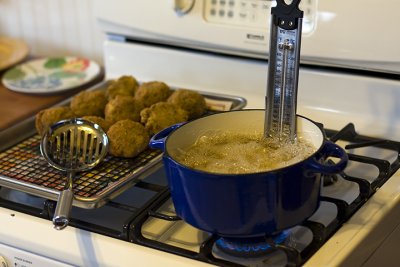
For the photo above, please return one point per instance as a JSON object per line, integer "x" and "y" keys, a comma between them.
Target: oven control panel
{"x": 14, "y": 257}
{"x": 253, "y": 13}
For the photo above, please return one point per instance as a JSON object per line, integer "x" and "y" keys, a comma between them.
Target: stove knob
{"x": 183, "y": 7}
{"x": 3, "y": 262}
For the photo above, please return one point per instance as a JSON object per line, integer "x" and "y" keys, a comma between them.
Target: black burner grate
{"x": 24, "y": 163}
{"x": 320, "y": 232}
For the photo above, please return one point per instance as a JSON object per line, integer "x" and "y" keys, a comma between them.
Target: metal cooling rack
{"x": 22, "y": 167}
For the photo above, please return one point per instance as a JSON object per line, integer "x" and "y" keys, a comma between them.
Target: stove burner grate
{"x": 25, "y": 158}
{"x": 295, "y": 256}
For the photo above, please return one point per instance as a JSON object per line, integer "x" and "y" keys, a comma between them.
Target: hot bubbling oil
{"x": 237, "y": 153}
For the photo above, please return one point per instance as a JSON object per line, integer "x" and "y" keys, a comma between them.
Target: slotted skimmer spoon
{"x": 72, "y": 146}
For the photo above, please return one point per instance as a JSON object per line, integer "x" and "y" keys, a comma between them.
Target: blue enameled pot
{"x": 245, "y": 205}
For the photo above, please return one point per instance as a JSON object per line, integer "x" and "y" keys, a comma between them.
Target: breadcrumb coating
{"x": 105, "y": 125}
{"x": 127, "y": 138}
{"x": 191, "y": 101}
{"x": 125, "y": 85}
{"x": 162, "y": 115}
{"x": 89, "y": 103}
{"x": 47, "y": 117}
{"x": 123, "y": 107}
{"x": 153, "y": 92}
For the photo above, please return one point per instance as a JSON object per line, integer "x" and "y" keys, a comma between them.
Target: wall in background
{"x": 53, "y": 27}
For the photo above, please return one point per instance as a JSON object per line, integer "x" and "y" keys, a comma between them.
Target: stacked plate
{"x": 12, "y": 51}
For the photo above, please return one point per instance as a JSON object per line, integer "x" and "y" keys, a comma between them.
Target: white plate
{"x": 50, "y": 75}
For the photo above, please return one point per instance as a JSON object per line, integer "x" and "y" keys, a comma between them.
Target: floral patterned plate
{"x": 50, "y": 75}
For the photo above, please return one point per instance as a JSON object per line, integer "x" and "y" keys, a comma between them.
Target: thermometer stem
{"x": 286, "y": 46}
{"x": 283, "y": 71}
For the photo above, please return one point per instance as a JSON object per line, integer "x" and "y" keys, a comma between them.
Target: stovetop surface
{"x": 144, "y": 213}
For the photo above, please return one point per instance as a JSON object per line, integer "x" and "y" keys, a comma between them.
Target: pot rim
{"x": 263, "y": 173}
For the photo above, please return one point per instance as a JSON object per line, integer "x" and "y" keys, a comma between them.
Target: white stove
{"x": 349, "y": 74}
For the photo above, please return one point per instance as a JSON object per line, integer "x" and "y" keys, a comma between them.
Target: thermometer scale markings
{"x": 284, "y": 75}
{"x": 283, "y": 71}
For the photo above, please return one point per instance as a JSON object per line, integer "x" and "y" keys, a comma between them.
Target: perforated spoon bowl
{"x": 72, "y": 146}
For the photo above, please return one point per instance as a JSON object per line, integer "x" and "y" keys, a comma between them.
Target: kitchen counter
{"x": 15, "y": 106}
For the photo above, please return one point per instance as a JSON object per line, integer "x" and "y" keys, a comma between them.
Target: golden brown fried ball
{"x": 125, "y": 85}
{"x": 152, "y": 92}
{"x": 47, "y": 117}
{"x": 89, "y": 103}
{"x": 123, "y": 107}
{"x": 162, "y": 115}
{"x": 127, "y": 138}
{"x": 191, "y": 101}
{"x": 105, "y": 125}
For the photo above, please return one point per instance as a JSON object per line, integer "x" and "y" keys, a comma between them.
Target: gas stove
{"x": 350, "y": 90}
{"x": 144, "y": 214}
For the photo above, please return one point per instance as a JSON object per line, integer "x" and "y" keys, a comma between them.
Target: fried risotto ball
{"x": 162, "y": 115}
{"x": 105, "y": 125}
{"x": 150, "y": 93}
{"x": 191, "y": 101}
{"x": 125, "y": 85}
{"x": 127, "y": 138}
{"x": 123, "y": 107}
{"x": 89, "y": 103}
{"x": 47, "y": 117}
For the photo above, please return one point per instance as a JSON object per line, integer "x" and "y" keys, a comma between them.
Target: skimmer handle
{"x": 64, "y": 204}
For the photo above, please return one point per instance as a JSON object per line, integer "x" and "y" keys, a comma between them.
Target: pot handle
{"x": 158, "y": 140}
{"x": 330, "y": 149}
